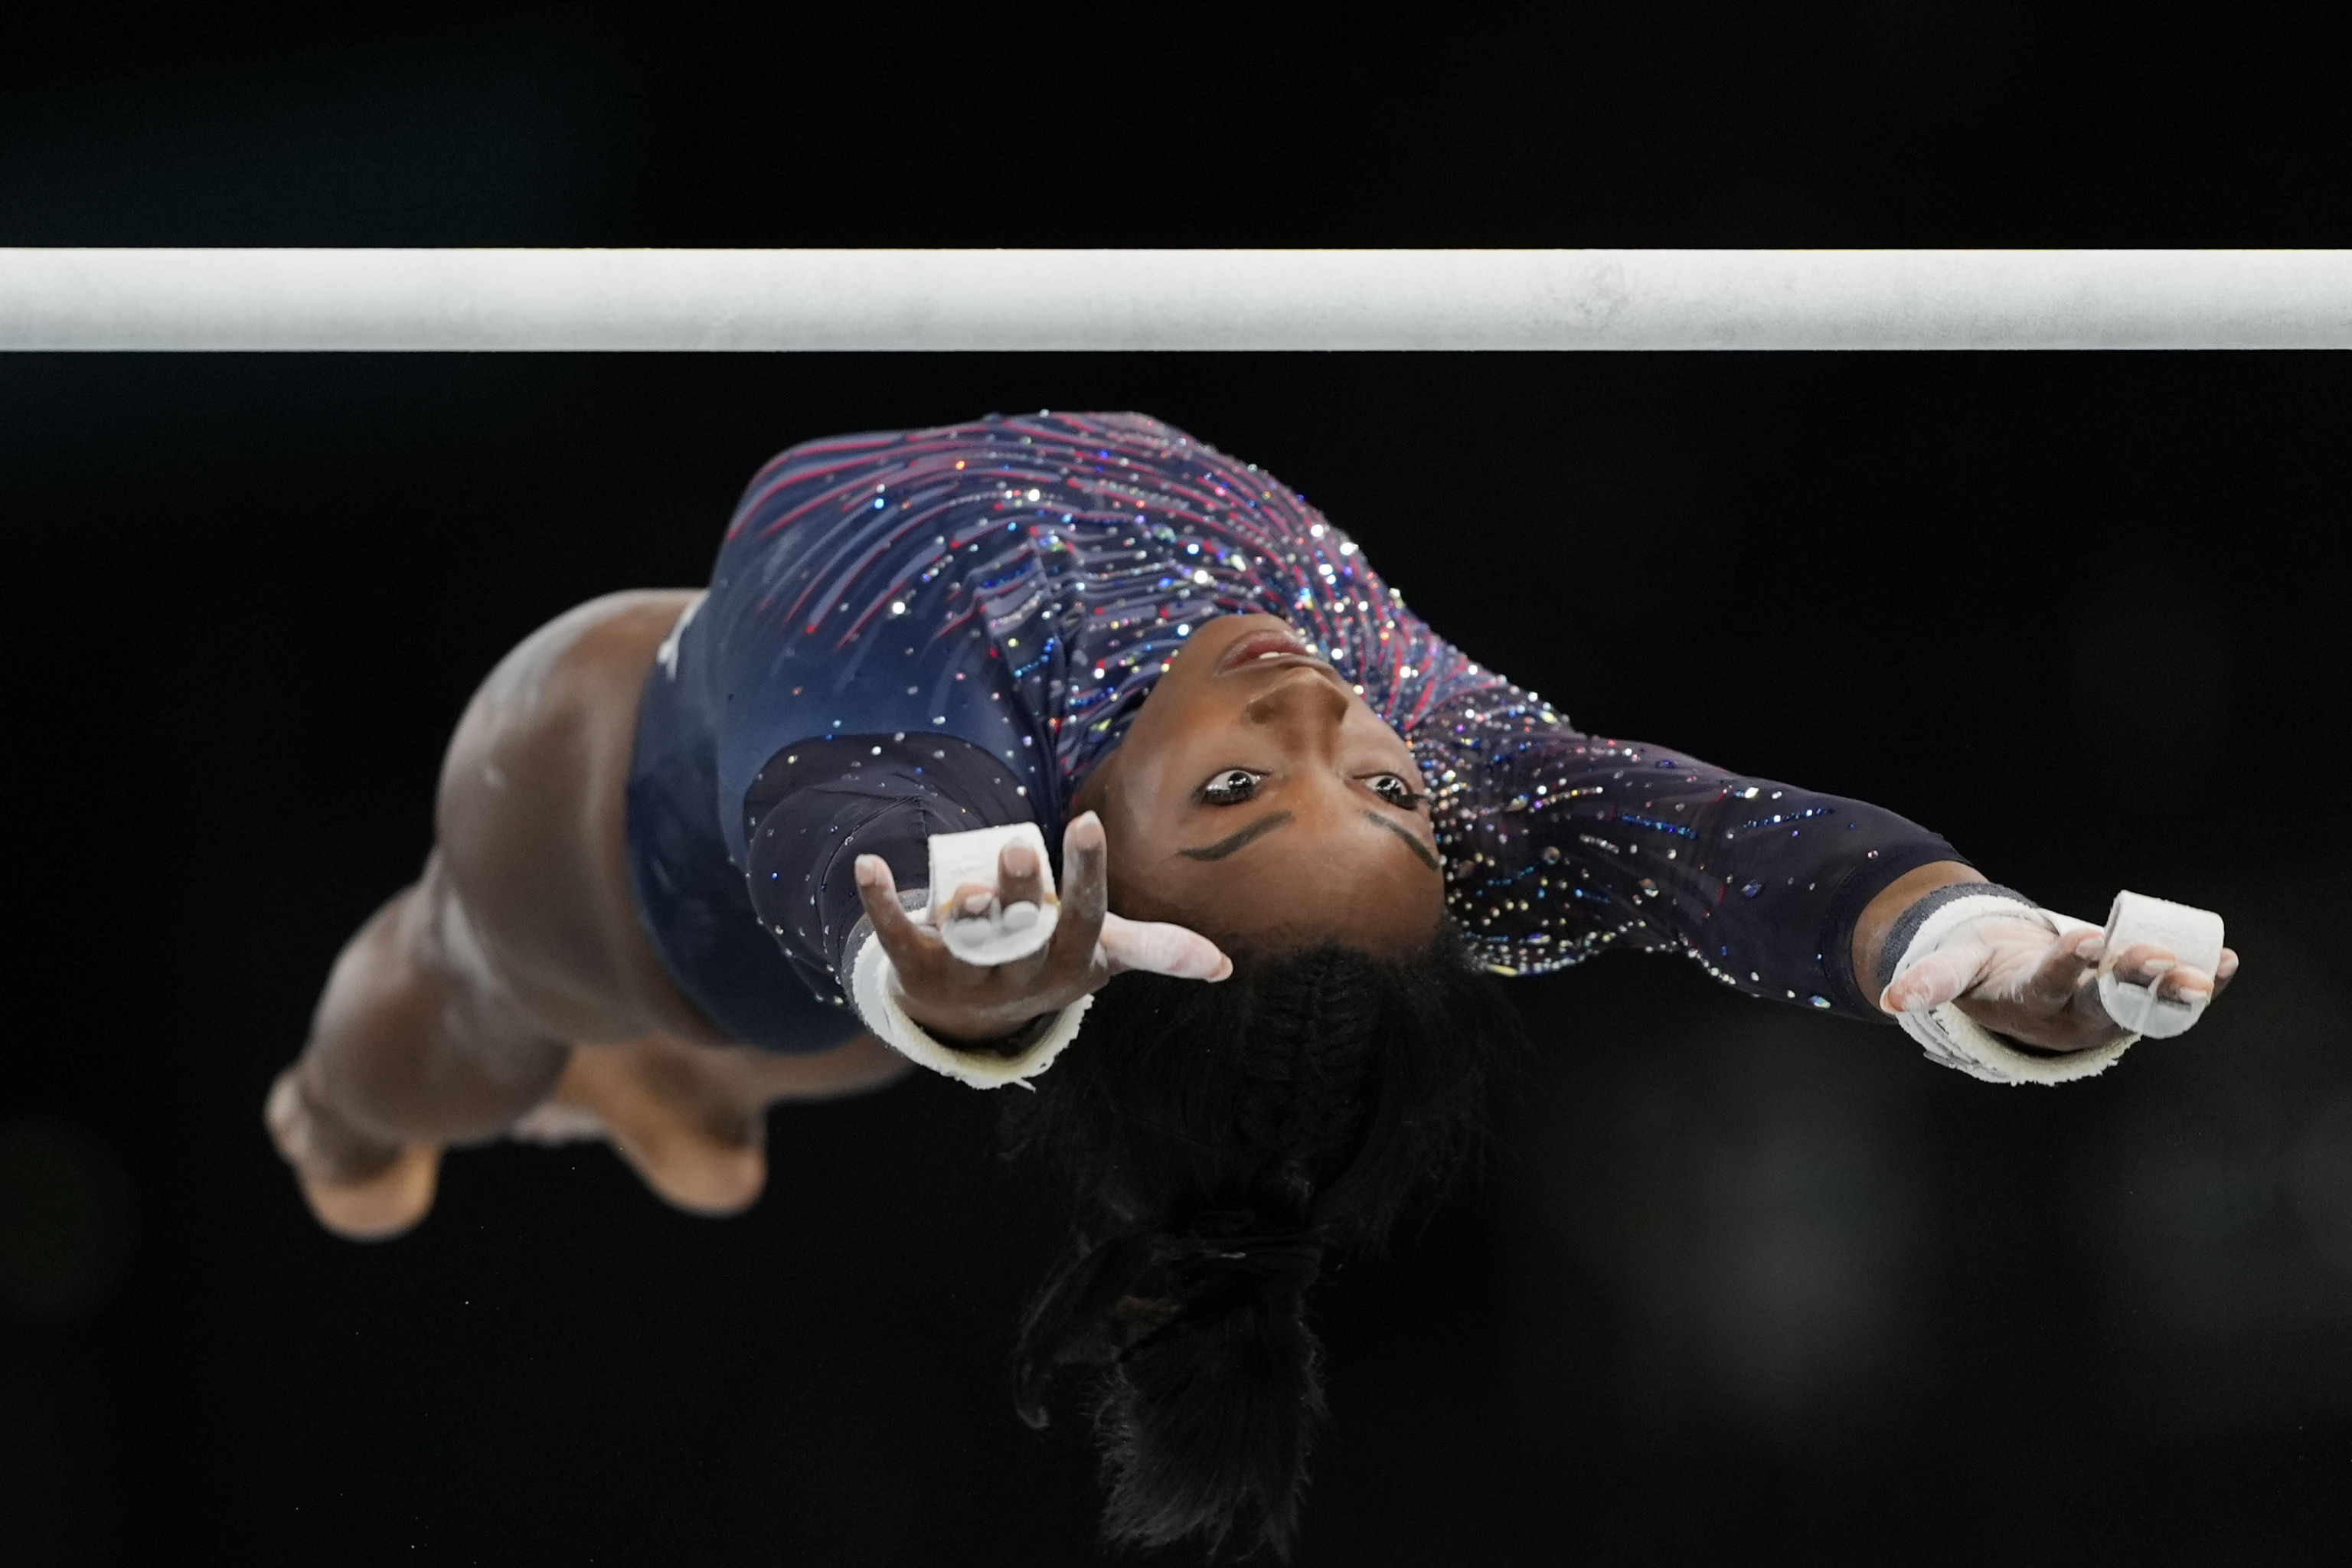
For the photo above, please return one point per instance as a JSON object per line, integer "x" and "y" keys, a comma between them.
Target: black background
{"x": 1745, "y": 1282}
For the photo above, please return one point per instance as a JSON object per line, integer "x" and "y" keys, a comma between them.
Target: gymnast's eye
{"x": 1231, "y": 787}
{"x": 1395, "y": 790}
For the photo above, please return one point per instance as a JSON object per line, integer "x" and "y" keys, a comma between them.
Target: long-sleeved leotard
{"x": 912, "y": 632}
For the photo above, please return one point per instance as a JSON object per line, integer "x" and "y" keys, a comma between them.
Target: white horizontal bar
{"x": 1141, "y": 299}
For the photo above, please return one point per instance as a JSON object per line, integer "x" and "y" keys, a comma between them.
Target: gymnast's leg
{"x": 409, "y": 1053}
{"x": 691, "y": 1119}
{"x": 513, "y": 976}
{"x": 416, "y": 1044}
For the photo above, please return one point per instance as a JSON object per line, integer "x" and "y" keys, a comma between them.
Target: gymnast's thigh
{"x": 532, "y": 819}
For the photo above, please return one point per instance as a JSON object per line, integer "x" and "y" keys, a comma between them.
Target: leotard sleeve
{"x": 1560, "y": 845}
{"x": 819, "y": 805}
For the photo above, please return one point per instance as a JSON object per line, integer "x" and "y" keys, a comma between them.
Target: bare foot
{"x": 357, "y": 1189}
{"x": 691, "y": 1119}
{"x": 863, "y": 1063}
{"x": 680, "y": 1124}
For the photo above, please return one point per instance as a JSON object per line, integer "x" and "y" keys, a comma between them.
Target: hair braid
{"x": 1222, "y": 1138}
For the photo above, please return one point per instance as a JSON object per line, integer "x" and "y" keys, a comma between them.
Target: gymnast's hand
{"x": 971, "y": 1004}
{"x": 2015, "y": 976}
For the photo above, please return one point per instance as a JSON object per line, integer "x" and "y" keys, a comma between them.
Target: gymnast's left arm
{"x": 1560, "y": 845}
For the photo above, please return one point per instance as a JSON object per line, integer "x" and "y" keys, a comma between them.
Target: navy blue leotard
{"x": 920, "y": 631}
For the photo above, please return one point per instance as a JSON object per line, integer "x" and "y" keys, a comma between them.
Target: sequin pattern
{"x": 1022, "y": 583}
{"x": 1560, "y": 845}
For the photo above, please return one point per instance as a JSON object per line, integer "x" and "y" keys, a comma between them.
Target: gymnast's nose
{"x": 1306, "y": 699}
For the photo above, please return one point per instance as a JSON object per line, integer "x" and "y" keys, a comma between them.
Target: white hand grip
{"x": 1005, "y": 932}
{"x": 2194, "y": 937}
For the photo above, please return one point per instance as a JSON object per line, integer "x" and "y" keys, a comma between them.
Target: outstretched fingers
{"x": 1019, "y": 876}
{"x": 1086, "y": 891}
{"x": 877, "y": 890}
{"x": 2153, "y": 965}
{"x": 2041, "y": 989}
{"x": 961, "y": 1000}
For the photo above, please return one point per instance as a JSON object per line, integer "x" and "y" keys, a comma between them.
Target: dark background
{"x": 1745, "y": 1283}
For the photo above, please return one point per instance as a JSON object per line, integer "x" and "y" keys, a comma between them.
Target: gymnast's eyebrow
{"x": 1418, "y": 847}
{"x": 1233, "y": 841}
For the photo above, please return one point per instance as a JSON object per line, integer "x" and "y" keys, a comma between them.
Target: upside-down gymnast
{"x": 679, "y": 836}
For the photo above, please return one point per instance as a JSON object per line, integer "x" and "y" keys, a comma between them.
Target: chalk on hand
{"x": 2194, "y": 937}
{"x": 1001, "y": 933}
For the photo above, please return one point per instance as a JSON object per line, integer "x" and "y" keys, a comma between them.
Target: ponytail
{"x": 1209, "y": 1400}
{"x": 1223, "y": 1139}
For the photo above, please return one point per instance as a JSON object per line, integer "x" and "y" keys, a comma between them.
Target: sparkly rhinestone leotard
{"x": 916, "y": 631}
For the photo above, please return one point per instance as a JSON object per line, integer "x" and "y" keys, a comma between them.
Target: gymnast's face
{"x": 1257, "y": 796}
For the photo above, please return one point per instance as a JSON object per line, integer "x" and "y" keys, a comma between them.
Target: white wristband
{"x": 1953, "y": 1038}
{"x": 874, "y": 989}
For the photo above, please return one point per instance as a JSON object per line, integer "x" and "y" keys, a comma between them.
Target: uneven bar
{"x": 1131, "y": 300}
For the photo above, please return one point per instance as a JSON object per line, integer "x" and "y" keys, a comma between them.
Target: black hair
{"x": 1223, "y": 1138}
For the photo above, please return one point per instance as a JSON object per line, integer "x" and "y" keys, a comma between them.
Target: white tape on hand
{"x": 1951, "y": 1037}
{"x": 1001, "y": 933}
{"x": 2194, "y": 937}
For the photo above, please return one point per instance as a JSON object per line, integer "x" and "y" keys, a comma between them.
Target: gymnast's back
{"x": 915, "y": 632}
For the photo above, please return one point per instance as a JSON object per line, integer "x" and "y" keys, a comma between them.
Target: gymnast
{"x": 681, "y": 844}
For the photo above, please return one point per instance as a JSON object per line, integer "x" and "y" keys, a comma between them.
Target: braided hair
{"x": 1222, "y": 1139}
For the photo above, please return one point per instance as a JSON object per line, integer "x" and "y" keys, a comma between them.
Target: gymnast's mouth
{"x": 1275, "y": 646}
